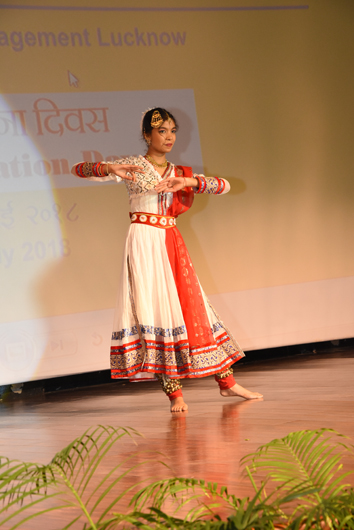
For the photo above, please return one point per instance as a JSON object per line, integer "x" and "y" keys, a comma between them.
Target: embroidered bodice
{"x": 144, "y": 182}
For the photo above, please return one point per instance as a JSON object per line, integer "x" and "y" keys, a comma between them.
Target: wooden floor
{"x": 305, "y": 392}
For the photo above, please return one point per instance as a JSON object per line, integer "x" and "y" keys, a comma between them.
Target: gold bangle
{"x": 184, "y": 180}
{"x": 107, "y": 169}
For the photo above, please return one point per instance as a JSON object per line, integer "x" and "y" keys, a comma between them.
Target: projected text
{"x": 18, "y": 41}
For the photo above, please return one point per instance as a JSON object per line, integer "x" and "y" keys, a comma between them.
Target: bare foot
{"x": 239, "y": 391}
{"x": 178, "y": 405}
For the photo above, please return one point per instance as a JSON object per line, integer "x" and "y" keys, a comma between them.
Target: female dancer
{"x": 164, "y": 324}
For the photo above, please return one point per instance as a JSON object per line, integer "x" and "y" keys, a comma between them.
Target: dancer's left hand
{"x": 170, "y": 184}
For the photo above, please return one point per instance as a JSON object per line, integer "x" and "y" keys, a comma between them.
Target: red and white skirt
{"x": 164, "y": 323}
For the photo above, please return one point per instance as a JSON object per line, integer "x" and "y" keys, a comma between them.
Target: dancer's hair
{"x": 146, "y": 126}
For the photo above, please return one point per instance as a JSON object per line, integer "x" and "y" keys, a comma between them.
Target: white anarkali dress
{"x": 164, "y": 323}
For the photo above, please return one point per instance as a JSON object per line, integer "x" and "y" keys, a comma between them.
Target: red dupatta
{"x": 190, "y": 295}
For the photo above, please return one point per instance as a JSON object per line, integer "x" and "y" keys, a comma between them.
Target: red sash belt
{"x": 152, "y": 219}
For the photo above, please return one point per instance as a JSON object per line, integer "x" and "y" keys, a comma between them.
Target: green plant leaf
{"x": 304, "y": 459}
{"x": 304, "y": 466}
{"x": 67, "y": 475}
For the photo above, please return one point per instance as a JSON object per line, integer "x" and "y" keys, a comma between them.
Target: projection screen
{"x": 263, "y": 92}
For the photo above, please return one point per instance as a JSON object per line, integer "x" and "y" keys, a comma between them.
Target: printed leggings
{"x": 173, "y": 387}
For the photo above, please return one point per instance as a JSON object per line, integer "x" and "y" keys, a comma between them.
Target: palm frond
{"x": 246, "y": 513}
{"x": 305, "y": 468}
{"x": 68, "y": 474}
{"x": 112, "y": 485}
{"x": 82, "y": 456}
{"x": 23, "y": 487}
{"x": 337, "y": 512}
{"x": 303, "y": 459}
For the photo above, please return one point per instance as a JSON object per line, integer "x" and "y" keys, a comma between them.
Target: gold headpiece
{"x": 156, "y": 120}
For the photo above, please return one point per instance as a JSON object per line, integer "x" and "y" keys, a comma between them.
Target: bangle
{"x": 107, "y": 169}
{"x": 96, "y": 169}
{"x": 184, "y": 180}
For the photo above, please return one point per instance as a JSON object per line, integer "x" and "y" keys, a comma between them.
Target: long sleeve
{"x": 91, "y": 171}
{"x": 211, "y": 185}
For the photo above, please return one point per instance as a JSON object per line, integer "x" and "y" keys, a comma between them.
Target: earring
{"x": 148, "y": 141}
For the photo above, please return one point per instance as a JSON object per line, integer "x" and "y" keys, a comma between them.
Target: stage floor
{"x": 304, "y": 392}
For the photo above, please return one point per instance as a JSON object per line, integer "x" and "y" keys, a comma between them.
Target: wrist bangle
{"x": 184, "y": 180}
{"x": 107, "y": 169}
{"x": 96, "y": 169}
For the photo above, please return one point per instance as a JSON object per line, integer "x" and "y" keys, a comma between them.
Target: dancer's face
{"x": 163, "y": 138}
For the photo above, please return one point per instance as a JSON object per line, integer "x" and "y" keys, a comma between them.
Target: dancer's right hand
{"x": 124, "y": 171}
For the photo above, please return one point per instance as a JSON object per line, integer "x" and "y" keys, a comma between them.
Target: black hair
{"x": 165, "y": 115}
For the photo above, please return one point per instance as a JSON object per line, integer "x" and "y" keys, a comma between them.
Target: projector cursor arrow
{"x": 73, "y": 80}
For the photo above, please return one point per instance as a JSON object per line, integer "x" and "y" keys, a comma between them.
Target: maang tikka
{"x": 156, "y": 120}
